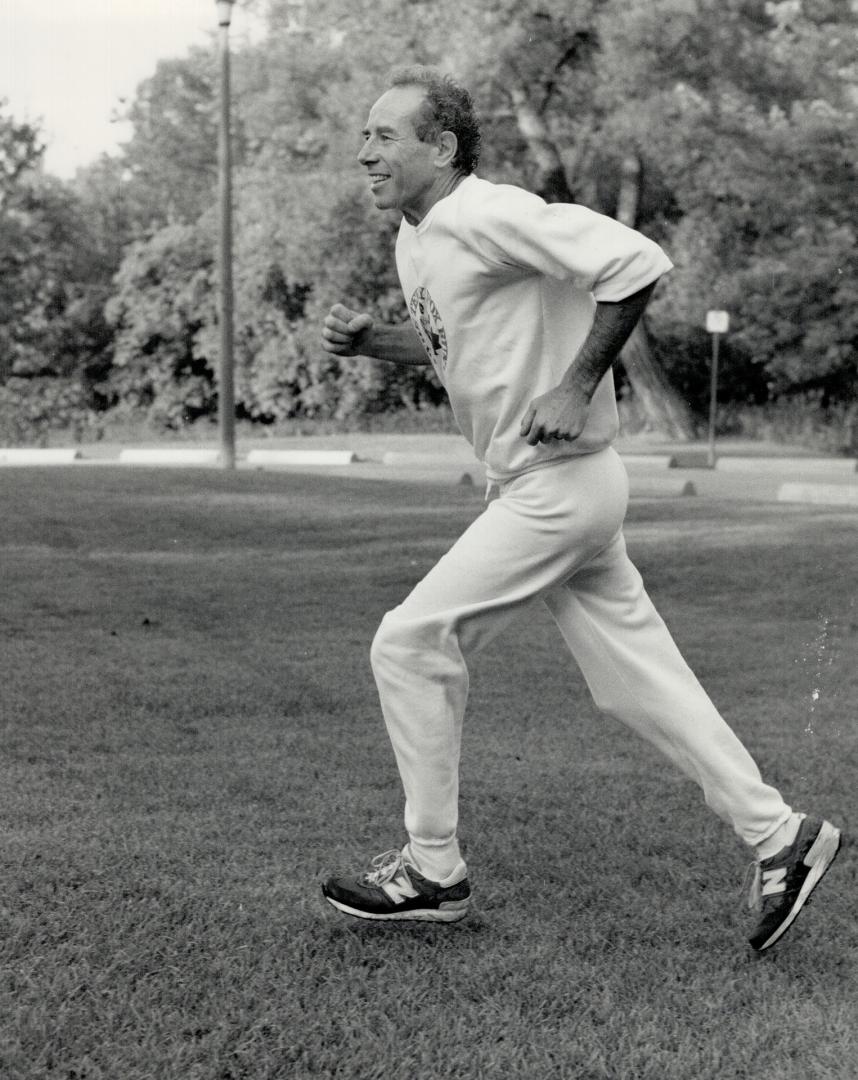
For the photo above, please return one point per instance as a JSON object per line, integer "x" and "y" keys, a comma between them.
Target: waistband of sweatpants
{"x": 498, "y": 485}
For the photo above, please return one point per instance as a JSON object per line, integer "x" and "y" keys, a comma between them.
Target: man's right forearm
{"x": 398, "y": 344}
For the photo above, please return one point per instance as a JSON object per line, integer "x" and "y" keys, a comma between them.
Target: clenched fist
{"x": 346, "y": 332}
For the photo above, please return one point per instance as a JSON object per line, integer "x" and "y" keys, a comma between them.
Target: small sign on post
{"x": 717, "y": 323}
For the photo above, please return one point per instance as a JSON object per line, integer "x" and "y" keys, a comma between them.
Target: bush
{"x": 801, "y": 419}
{"x": 30, "y": 409}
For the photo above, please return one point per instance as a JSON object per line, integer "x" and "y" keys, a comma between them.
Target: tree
{"x": 49, "y": 268}
{"x": 751, "y": 111}
{"x": 169, "y": 165}
{"x": 21, "y": 151}
{"x": 163, "y": 302}
{"x": 53, "y": 337}
{"x": 20, "y": 155}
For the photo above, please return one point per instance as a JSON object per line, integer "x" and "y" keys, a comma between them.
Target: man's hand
{"x": 559, "y": 414}
{"x": 346, "y": 332}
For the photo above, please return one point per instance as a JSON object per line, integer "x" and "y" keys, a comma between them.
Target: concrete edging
{"x": 168, "y": 456}
{"x": 823, "y": 494}
{"x": 656, "y": 487}
{"x": 414, "y": 459}
{"x": 39, "y": 455}
{"x": 260, "y": 458}
{"x": 649, "y": 461}
{"x": 787, "y": 464}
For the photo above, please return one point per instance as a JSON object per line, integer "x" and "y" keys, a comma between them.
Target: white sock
{"x": 443, "y": 865}
{"x": 782, "y": 837}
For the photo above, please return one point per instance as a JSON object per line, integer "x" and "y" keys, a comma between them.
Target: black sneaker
{"x": 393, "y": 889}
{"x": 783, "y": 883}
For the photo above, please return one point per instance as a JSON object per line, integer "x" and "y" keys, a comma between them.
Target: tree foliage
{"x": 749, "y": 111}
{"x": 726, "y": 129}
{"x": 53, "y": 334}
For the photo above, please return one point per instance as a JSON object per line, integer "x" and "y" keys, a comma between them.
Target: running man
{"x": 522, "y": 307}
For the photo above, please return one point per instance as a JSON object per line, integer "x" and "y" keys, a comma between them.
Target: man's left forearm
{"x": 612, "y": 325}
{"x": 561, "y": 413}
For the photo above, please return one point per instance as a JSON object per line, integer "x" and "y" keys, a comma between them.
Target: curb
{"x": 657, "y": 488}
{"x": 785, "y": 464}
{"x": 169, "y": 457}
{"x": 649, "y": 461}
{"x": 261, "y": 458}
{"x": 39, "y": 456}
{"x": 822, "y": 494}
{"x": 414, "y": 459}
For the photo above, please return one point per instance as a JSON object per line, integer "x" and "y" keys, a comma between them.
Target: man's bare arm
{"x": 562, "y": 412}
{"x": 353, "y": 333}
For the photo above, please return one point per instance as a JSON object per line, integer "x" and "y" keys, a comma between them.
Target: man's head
{"x": 421, "y": 138}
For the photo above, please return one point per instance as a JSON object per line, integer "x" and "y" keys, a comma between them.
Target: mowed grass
{"x": 191, "y": 740}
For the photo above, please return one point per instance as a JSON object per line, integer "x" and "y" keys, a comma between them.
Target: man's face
{"x": 401, "y": 168}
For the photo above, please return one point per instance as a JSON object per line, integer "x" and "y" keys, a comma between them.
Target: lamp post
{"x": 226, "y": 390}
{"x": 717, "y": 323}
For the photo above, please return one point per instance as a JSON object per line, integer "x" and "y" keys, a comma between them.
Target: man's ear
{"x": 448, "y": 144}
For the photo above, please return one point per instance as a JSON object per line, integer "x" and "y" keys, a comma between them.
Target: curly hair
{"x": 447, "y": 107}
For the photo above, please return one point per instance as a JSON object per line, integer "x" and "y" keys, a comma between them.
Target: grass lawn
{"x": 191, "y": 740}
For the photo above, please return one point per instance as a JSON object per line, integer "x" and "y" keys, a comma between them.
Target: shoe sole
{"x": 819, "y": 858}
{"x": 449, "y": 911}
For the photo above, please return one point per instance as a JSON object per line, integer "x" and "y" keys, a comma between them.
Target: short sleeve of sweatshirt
{"x": 511, "y": 227}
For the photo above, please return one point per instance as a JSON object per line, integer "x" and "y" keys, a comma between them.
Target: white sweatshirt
{"x": 502, "y": 288}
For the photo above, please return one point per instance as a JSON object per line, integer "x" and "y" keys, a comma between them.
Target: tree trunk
{"x": 662, "y": 408}
{"x": 551, "y": 181}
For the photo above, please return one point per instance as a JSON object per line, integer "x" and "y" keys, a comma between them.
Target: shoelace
{"x": 383, "y": 867}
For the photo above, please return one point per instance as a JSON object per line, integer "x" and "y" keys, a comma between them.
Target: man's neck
{"x": 444, "y": 187}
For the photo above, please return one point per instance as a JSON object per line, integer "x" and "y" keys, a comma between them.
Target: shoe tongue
{"x": 753, "y": 882}
{"x": 755, "y": 896}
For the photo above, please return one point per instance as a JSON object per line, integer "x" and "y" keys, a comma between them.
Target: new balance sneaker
{"x": 783, "y": 883}
{"x": 393, "y": 889}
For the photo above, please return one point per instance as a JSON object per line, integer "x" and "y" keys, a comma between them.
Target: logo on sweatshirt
{"x": 430, "y": 329}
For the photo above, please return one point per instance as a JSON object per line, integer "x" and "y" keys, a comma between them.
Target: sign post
{"x": 717, "y": 323}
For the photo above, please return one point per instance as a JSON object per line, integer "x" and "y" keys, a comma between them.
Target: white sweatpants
{"x": 553, "y": 534}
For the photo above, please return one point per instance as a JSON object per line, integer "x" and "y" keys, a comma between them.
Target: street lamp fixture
{"x": 226, "y": 387}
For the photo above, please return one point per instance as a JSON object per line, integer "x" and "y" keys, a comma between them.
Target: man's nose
{"x": 367, "y": 153}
